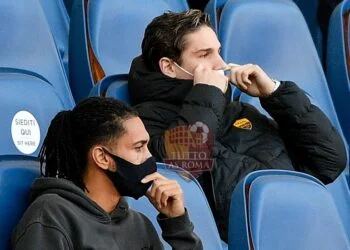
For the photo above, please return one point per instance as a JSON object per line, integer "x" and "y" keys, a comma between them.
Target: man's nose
{"x": 220, "y": 63}
{"x": 147, "y": 154}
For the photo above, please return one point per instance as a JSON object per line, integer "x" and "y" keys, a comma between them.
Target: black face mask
{"x": 127, "y": 178}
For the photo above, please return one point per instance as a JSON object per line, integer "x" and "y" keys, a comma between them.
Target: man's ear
{"x": 167, "y": 67}
{"x": 100, "y": 158}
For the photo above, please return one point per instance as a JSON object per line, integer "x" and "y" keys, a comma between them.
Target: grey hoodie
{"x": 61, "y": 216}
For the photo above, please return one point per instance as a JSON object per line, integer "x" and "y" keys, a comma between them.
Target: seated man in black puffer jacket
{"x": 177, "y": 84}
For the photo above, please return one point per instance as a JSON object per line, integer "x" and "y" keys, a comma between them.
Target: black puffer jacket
{"x": 300, "y": 138}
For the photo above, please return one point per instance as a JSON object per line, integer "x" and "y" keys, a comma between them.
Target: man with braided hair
{"x": 92, "y": 156}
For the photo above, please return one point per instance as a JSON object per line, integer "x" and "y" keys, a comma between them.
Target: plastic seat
{"x": 310, "y": 10}
{"x": 112, "y": 38}
{"x": 277, "y": 209}
{"x": 115, "y": 86}
{"x": 28, "y": 102}
{"x": 337, "y": 64}
{"x": 213, "y": 9}
{"x": 196, "y": 204}
{"x": 58, "y": 19}
{"x": 68, "y": 4}
{"x": 292, "y": 59}
{"x": 287, "y": 53}
{"x": 27, "y": 44}
{"x": 177, "y": 5}
{"x": 17, "y": 173}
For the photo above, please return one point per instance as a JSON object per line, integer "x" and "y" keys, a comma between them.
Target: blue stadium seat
{"x": 16, "y": 176}
{"x": 69, "y": 5}
{"x": 27, "y": 44}
{"x": 213, "y": 9}
{"x": 287, "y": 52}
{"x": 177, "y": 5}
{"x": 58, "y": 19}
{"x": 278, "y": 209}
{"x": 338, "y": 65}
{"x": 115, "y": 31}
{"x": 195, "y": 202}
{"x": 115, "y": 86}
{"x": 310, "y": 10}
{"x": 28, "y": 102}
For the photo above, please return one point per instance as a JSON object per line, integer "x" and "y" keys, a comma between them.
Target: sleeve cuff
{"x": 277, "y": 84}
{"x": 174, "y": 224}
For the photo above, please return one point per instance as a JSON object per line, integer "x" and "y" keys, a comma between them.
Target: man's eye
{"x": 138, "y": 148}
{"x": 204, "y": 55}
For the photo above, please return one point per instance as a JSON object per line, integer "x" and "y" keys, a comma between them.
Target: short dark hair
{"x": 164, "y": 36}
{"x": 72, "y": 133}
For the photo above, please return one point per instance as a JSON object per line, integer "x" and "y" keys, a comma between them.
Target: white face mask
{"x": 221, "y": 71}
{"x": 183, "y": 69}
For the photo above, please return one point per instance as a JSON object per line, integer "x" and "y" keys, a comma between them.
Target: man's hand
{"x": 202, "y": 75}
{"x": 165, "y": 195}
{"x": 251, "y": 79}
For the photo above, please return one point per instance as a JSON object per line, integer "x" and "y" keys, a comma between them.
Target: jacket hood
{"x": 69, "y": 191}
{"x": 146, "y": 85}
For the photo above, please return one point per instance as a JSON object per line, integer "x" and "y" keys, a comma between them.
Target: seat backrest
{"x": 16, "y": 176}
{"x": 177, "y": 5}
{"x": 58, "y": 19}
{"x": 28, "y": 103}
{"x": 68, "y": 4}
{"x": 110, "y": 23}
{"x": 277, "y": 209}
{"x": 338, "y": 63}
{"x": 27, "y": 43}
{"x": 111, "y": 35}
{"x": 115, "y": 86}
{"x": 287, "y": 51}
{"x": 213, "y": 9}
{"x": 195, "y": 202}
{"x": 310, "y": 10}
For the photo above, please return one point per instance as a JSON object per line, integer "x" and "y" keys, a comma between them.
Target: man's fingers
{"x": 162, "y": 190}
{"x": 170, "y": 193}
{"x": 152, "y": 177}
{"x": 158, "y": 186}
{"x": 232, "y": 65}
{"x": 239, "y": 74}
{"x": 163, "y": 193}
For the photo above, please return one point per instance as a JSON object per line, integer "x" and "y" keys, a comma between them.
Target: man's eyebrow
{"x": 203, "y": 50}
{"x": 140, "y": 142}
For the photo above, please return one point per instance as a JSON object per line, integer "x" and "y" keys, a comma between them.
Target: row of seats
{"x": 264, "y": 205}
{"x": 98, "y": 65}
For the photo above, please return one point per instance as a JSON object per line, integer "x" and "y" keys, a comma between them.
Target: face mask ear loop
{"x": 183, "y": 69}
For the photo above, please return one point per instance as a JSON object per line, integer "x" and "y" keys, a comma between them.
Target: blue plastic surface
{"x": 27, "y": 43}
{"x": 337, "y": 72}
{"x": 278, "y": 209}
{"x": 16, "y": 176}
{"x": 25, "y": 91}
